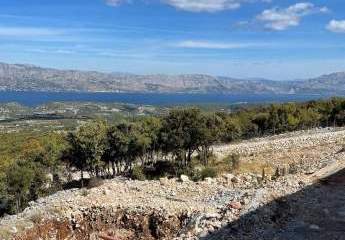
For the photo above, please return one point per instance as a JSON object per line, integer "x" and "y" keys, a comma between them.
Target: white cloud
{"x": 204, "y": 5}
{"x": 197, "y": 5}
{"x": 115, "y": 3}
{"x": 280, "y": 19}
{"x": 208, "y": 5}
{"x": 337, "y": 26}
{"x": 51, "y": 51}
{"x": 211, "y": 45}
{"x": 29, "y": 32}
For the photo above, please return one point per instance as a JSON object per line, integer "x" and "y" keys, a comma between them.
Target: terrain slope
{"x": 301, "y": 197}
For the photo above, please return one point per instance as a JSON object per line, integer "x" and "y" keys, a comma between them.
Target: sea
{"x": 33, "y": 99}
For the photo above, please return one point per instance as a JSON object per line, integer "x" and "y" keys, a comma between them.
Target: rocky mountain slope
{"x": 334, "y": 82}
{"x": 33, "y": 78}
{"x": 305, "y": 201}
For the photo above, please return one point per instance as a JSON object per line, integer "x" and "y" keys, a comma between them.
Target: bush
{"x": 211, "y": 159}
{"x": 84, "y": 192}
{"x": 161, "y": 169}
{"x": 138, "y": 173}
{"x": 197, "y": 174}
{"x": 94, "y": 182}
{"x": 208, "y": 172}
{"x": 233, "y": 161}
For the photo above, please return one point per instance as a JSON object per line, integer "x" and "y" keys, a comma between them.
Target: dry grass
{"x": 37, "y": 218}
{"x": 239, "y": 165}
{"x": 255, "y": 167}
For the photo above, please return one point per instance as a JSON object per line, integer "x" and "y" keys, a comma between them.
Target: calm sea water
{"x": 37, "y": 98}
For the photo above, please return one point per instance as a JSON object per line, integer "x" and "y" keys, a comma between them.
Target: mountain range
{"x": 24, "y": 77}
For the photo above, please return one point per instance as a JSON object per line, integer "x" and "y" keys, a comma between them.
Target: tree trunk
{"x": 17, "y": 204}
{"x": 114, "y": 168}
{"x": 205, "y": 151}
{"x": 97, "y": 171}
{"x": 82, "y": 178}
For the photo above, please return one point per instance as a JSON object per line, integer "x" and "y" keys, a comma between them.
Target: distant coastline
{"x": 35, "y": 98}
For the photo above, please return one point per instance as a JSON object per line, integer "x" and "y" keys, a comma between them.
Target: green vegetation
{"x": 179, "y": 142}
{"x": 29, "y": 163}
{"x": 138, "y": 173}
{"x": 233, "y": 162}
{"x": 208, "y": 172}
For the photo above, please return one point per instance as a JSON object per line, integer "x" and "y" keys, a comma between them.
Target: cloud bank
{"x": 197, "y": 5}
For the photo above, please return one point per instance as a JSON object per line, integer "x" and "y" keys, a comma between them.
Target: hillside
{"x": 239, "y": 206}
{"x": 21, "y": 77}
{"x": 332, "y": 83}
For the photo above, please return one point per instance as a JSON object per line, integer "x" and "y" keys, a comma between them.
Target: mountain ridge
{"x": 27, "y": 77}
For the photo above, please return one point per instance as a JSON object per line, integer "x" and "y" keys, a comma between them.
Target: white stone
{"x": 314, "y": 227}
{"x": 184, "y": 178}
{"x": 209, "y": 180}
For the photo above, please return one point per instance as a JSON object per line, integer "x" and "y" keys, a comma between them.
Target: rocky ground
{"x": 306, "y": 201}
{"x": 306, "y": 151}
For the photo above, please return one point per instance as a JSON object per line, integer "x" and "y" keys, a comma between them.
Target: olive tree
{"x": 87, "y": 146}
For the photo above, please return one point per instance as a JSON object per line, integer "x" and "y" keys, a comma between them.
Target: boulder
{"x": 184, "y": 178}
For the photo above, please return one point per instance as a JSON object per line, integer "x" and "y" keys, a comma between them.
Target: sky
{"x": 274, "y": 39}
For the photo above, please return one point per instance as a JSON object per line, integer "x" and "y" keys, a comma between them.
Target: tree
{"x": 181, "y": 132}
{"x": 54, "y": 145}
{"x": 87, "y": 146}
{"x": 25, "y": 181}
{"x": 150, "y": 129}
{"x": 274, "y": 120}
{"x": 231, "y": 129}
{"x": 262, "y": 121}
{"x": 210, "y": 130}
{"x": 117, "y": 145}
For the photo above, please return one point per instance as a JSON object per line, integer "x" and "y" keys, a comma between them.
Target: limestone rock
{"x": 184, "y": 178}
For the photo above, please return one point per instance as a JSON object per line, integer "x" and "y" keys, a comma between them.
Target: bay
{"x": 32, "y": 99}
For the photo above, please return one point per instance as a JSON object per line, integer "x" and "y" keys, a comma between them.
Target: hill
{"x": 22, "y": 77}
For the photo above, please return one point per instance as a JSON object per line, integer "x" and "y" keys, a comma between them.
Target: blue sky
{"x": 239, "y": 38}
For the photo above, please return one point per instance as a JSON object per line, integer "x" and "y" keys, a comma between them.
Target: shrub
{"x": 138, "y": 173}
{"x": 233, "y": 161}
{"x": 161, "y": 169}
{"x": 208, "y": 172}
{"x": 84, "y": 192}
{"x": 211, "y": 159}
{"x": 197, "y": 174}
{"x": 94, "y": 182}
{"x": 36, "y": 217}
